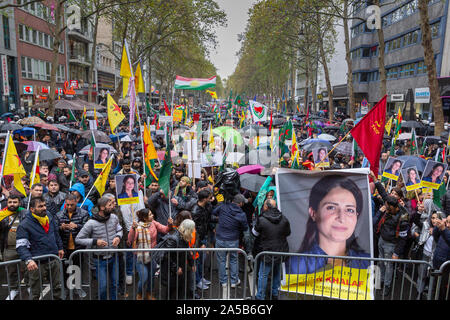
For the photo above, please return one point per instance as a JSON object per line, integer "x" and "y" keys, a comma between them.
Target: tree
{"x": 431, "y": 68}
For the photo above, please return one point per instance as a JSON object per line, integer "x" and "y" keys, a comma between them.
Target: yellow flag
{"x": 125, "y": 71}
{"x": 102, "y": 179}
{"x": 115, "y": 114}
{"x": 18, "y": 184}
{"x": 213, "y": 94}
{"x": 294, "y": 148}
{"x": 149, "y": 147}
{"x": 139, "y": 80}
{"x": 211, "y": 138}
{"x": 13, "y": 164}
{"x": 35, "y": 177}
{"x": 388, "y": 126}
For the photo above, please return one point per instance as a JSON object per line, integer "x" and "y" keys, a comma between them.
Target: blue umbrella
{"x": 26, "y": 131}
{"x": 119, "y": 135}
{"x": 413, "y": 161}
{"x": 309, "y": 140}
{"x": 8, "y": 114}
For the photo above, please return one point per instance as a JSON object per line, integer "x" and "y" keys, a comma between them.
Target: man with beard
{"x": 54, "y": 198}
{"x": 38, "y": 235}
{"x": 103, "y": 231}
{"x": 10, "y": 217}
{"x": 70, "y": 221}
{"x": 37, "y": 190}
{"x": 64, "y": 179}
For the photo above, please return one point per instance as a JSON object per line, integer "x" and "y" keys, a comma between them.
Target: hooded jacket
{"x": 88, "y": 205}
{"x": 272, "y": 228}
{"x": 103, "y": 228}
{"x": 231, "y": 221}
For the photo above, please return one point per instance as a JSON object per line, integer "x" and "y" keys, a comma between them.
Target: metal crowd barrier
{"x": 48, "y": 279}
{"x": 335, "y": 281}
{"x": 84, "y": 277}
{"x": 80, "y": 276}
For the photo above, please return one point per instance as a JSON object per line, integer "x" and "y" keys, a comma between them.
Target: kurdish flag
{"x": 102, "y": 179}
{"x": 194, "y": 83}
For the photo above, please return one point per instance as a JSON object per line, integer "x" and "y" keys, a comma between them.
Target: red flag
{"x": 154, "y": 120}
{"x": 270, "y": 126}
{"x": 166, "y": 108}
{"x": 368, "y": 133}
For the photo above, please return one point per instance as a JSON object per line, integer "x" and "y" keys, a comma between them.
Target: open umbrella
{"x": 327, "y": 137}
{"x": 99, "y": 136}
{"x": 30, "y": 121}
{"x": 8, "y": 114}
{"x": 10, "y": 127}
{"x": 312, "y": 140}
{"x": 67, "y": 129}
{"x": 48, "y": 155}
{"x": 412, "y": 124}
{"x": 316, "y": 145}
{"x": 252, "y": 182}
{"x": 119, "y": 135}
{"x": 26, "y": 131}
{"x": 251, "y": 169}
{"x": 413, "y": 161}
{"x": 228, "y": 133}
{"x": 344, "y": 148}
{"x": 46, "y": 126}
{"x": 34, "y": 145}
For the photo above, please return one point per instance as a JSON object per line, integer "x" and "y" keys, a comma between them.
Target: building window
{"x": 6, "y": 36}
{"x": 365, "y": 52}
{"x": 392, "y": 73}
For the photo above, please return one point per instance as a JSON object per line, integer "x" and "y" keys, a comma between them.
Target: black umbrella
{"x": 253, "y": 129}
{"x": 412, "y": 124}
{"x": 100, "y": 136}
{"x": 67, "y": 129}
{"x": 252, "y": 182}
{"x": 10, "y": 127}
{"x": 316, "y": 145}
{"x": 413, "y": 161}
{"x": 48, "y": 155}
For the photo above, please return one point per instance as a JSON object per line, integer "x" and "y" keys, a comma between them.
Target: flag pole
{"x": 4, "y": 155}
{"x": 34, "y": 175}
{"x": 73, "y": 167}
{"x": 93, "y": 185}
{"x": 335, "y": 146}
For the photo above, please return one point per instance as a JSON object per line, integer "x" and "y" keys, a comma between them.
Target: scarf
{"x": 43, "y": 221}
{"x": 183, "y": 191}
{"x": 5, "y": 212}
{"x": 143, "y": 241}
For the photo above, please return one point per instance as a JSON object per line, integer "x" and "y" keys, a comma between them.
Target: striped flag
{"x": 194, "y": 83}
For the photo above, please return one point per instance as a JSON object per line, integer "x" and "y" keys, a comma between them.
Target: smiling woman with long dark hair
{"x": 335, "y": 205}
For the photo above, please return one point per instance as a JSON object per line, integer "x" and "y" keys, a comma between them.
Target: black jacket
{"x": 445, "y": 201}
{"x": 80, "y": 217}
{"x": 54, "y": 203}
{"x": 202, "y": 218}
{"x": 272, "y": 229}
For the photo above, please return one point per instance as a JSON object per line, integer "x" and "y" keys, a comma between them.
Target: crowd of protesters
{"x": 63, "y": 213}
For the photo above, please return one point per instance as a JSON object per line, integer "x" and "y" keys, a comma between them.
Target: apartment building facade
{"x": 407, "y": 79}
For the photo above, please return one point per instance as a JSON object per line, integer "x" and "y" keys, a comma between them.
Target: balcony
{"x": 80, "y": 35}
{"x": 80, "y": 59}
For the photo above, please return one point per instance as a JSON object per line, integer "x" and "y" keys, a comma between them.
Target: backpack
{"x": 159, "y": 255}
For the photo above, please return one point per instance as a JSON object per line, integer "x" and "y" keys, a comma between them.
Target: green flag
{"x": 437, "y": 195}
{"x": 239, "y": 102}
{"x": 150, "y": 173}
{"x": 165, "y": 173}
{"x": 261, "y": 197}
{"x": 72, "y": 116}
{"x": 413, "y": 141}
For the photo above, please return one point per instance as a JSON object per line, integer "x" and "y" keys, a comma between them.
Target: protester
{"x": 103, "y": 231}
{"x": 37, "y": 235}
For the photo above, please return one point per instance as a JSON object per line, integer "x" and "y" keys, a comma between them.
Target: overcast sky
{"x": 224, "y": 58}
